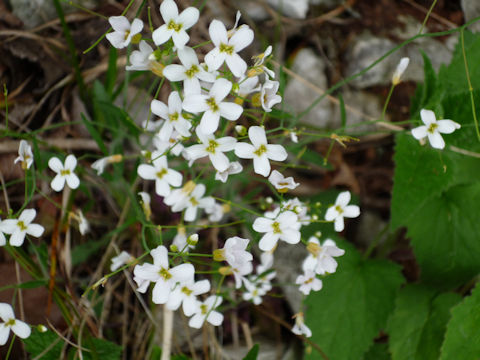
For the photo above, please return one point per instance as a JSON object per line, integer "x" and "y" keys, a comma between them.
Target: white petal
{"x": 191, "y": 86}
{"x": 236, "y": 64}
{"x": 160, "y": 256}
{"x": 218, "y": 33}
{"x": 268, "y": 241}
{"x": 220, "y": 89}
{"x": 17, "y": 238}
{"x": 174, "y": 178}
{"x": 339, "y": 224}
{"x": 4, "y": 332}
{"x": 187, "y": 57}
{"x": 351, "y": 211}
{"x": 447, "y": 126}
{"x": 214, "y": 59}
{"x": 159, "y": 108}
{"x": 169, "y": 10}
{"x": 161, "y": 292}
{"x": 209, "y": 122}
{"x": 436, "y": 140}
{"x": 261, "y": 165}
{"x": 230, "y": 110}
{"x": 242, "y": 38}
{"x": 331, "y": 213}
{"x": 189, "y": 306}
{"x": 162, "y": 188}
{"x": 119, "y": 23}
{"x": 215, "y": 318}
{"x": 161, "y": 35}
{"x": 180, "y": 39}
{"x": 227, "y": 143}
{"x": 137, "y": 26}
{"x": 174, "y": 72}
{"x": 71, "y": 162}
{"x": 58, "y": 183}
{"x": 73, "y": 181}
{"x": 27, "y": 215}
{"x": 183, "y": 273}
{"x": 8, "y": 226}
{"x": 262, "y": 225}
{"x": 257, "y": 136}
{"x": 291, "y": 236}
{"x": 196, "y": 321}
{"x": 276, "y": 152}
{"x": 428, "y": 116}
{"x": 201, "y": 287}
{"x": 55, "y": 164}
{"x": 21, "y": 329}
{"x": 343, "y": 199}
{"x": 195, "y": 103}
{"x": 219, "y": 161}
{"x": 6, "y": 312}
{"x": 147, "y": 172}
{"x": 188, "y": 17}
{"x": 244, "y": 150}
{"x": 35, "y": 230}
{"x": 420, "y": 132}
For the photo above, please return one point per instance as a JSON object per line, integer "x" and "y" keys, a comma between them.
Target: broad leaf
{"x": 48, "y": 344}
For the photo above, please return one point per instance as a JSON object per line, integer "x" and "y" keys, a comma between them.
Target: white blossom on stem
{"x": 19, "y": 328}
{"x": 65, "y": 173}
{"x": 233, "y": 168}
{"x": 341, "y": 210}
{"x": 160, "y": 172}
{"x": 281, "y": 183}
{"x": 205, "y": 312}
{"x": 254, "y": 292}
{"x": 284, "y": 227}
{"x": 308, "y": 282}
{"x": 120, "y": 260}
{"x": 300, "y": 328}
{"x": 401, "y": 67}
{"x": 18, "y": 228}
{"x": 141, "y": 59}
{"x": 172, "y": 114}
{"x": 25, "y": 155}
{"x": 433, "y": 128}
{"x": 321, "y": 257}
{"x": 186, "y": 295}
{"x": 123, "y": 32}
{"x": 100, "y": 164}
{"x": 269, "y": 96}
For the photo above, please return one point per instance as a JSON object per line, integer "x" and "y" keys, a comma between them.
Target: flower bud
{"x": 225, "y": 270}
{"x": 192, "y": 239}
{"x": 313, "y": 248}
{"x": 219, "y": 255}
{"x": 241, "y": 130}
{"x": 401, "y": 67}
{"x": 42, "y": 328}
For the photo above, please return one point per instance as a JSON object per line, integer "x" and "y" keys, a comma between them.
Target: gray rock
{"x": 471, "y": 10}
{"x": 369, "y": 227}
{"x": 296, "y": 9}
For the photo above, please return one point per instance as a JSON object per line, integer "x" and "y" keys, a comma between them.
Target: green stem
{"x": 10, "y": 347}
{"x": 384, "y": 111}
{"x": 427, "y": 16}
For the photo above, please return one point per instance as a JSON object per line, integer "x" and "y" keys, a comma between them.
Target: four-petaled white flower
{"x": 308, "y": 282}
{"x": 260, "y": 151}
{"x": 254, "y": 292}
{"x": 341, "y": 210}
{"x": 120, "y": 260}
{"x": 213, "y": 148}
{"x": 205, "y": 311}
{"x": 281, "y": 183}
{"x": 213, "y": 106}
{"x": 300, "y": 328}
{"x": 190, "y": 72}
{"x": 186, "y": 295}
{"x": 19, "y": 328}
{"x": 175, "y": 24}
{"x": 235, "y": 254}
{"x": 123, "y": 31}
{"x": 64, "y": 173}
{"x": 321, "y": 257}
{"x": 233, "y": 168}
{"x": 195, "y": 201}
{"x": 99, "y": 165}
{"x": 172, "y": 114}
{"x": 226, "y": 49}
{"x": 25, "y": 155}
{"x": 141, "y": 59}
{"x": 18, "y": 228}
{"x": 269, "y": 96}
{"x": 164, "y": 277}
{"x": 284, "y": 227}
{"x": 160, "y": 172}
{"x": 433, "y": 128}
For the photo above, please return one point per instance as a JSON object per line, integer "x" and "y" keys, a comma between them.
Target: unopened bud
{"x": 315, "y": 217}
{"x": 225, "y": 270}
{"x": 269, "y": 200}
{"x": 313, "y": 248}
{"x": 192, "y": 239}
{"x": 401, "y": 67}
{"x": 188, "y": 187}
{"x": 318, "y": 234}
{"x": 226, "y": 208}
{"x": 174, "y": 248}
{"x": 257, "y": 100}
{"x": 241, "y": 130}
{"x": 219, "y": 255}
{"x": 42, "y": 328}
{"x": 136, "y": 38}
{"x": 297, "y": 209}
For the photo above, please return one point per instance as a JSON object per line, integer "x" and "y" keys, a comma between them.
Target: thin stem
{"x": 384, "y": 111}
{"x": 427, "y": 16}
{"x": 10, "y": 347}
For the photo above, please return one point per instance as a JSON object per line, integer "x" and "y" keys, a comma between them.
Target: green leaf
{"x": 378, "y": 351}
{"x": 444, "y": 232}
{"x": 101, "y": 349}
{"x": 462, "y": 340}
{"x": 253, "y": 353}
{"x": 94, "y": 134}
{"x": 426, "y": 90}
{"x": 38, "y": 343}
{"x": 353, "y": 306}
{"x": 417, "y": 326}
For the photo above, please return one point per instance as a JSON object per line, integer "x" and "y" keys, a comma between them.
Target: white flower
{"x": 160, "y": 273}
{"x": 186, "y": 295}
{"x": 83, "y": 225}
{"x": 19, "y": 228}
{"x": 213, "y": 148}
{"x": 233, "y": 168}
{"x": 281, "y": 183}
{"x": 141, "y": 59}
{"x": 260, "y": 151}
{"x": 213, "y": 106}
{"x": 160, "y": 172}
{"x": 247, "y": 86}
{"x": 300, "y": 328}
{"x": 205, "y": 311}
{"x": 19, "y": 328}
{"x": 215, "y": 212}
{"x": 173, "y": 144}
{"x": 120, "y": 260}
{"x": 341, "y": 210}
{"x": 433, "y": 128}
{"x": 298, "y": 208}
{"x": 293, "y": 136}
{"x": 175, "y": 24}
{"x": 226, "y": 49}
{"x": 284, "y": 227}
{"x": 25, "y": 155}
{"x": 268, "y": 95}
{"x": 190, "y": 197}
{"x": 123, "y": 32}
{"x": 401, "y": 67}
{"x": 308, "y": 282}
{"x": 172, "y": 114}
{"x": 181, "y": 243}
{"x": 146, "y": 200}
{"x": 254, "y": 292}
{"x": 3, "y": 240}
{"x": 178, "y": 198}
{"x": 258, "y": 68}
{"x": 235, "y": 254}
{"x": 64, "y": 173}
{"x": 190, "y": 72}
{"x": 321, "y": 258}
{"x": 99, "y": 165}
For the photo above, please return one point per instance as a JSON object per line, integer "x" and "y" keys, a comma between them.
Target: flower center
{"x": 173, "y": 117}
{"x": 172, "y": 25}
{"x": 194, "y": 201}
{"x": 165, "y": 274}
{"x": 187, "y": 291}
{"x": 228, "y": 49}
{"x": 10, "y": 322}
{"x": 262, "y": 149}
{"x": 309, "y": 281}
{"x": 432, "y": 127}
{"x": 255, "y": 293}
{"x": 204, "y": 309}
{"x": 192, "y": 71}
{"x": 161, "y": 173}
{"x": 21, "y": 225}
{"x": 212, "y": 145}
{"x": 65, "y": 172}
{"x": 212, "y": 104}
{"x": 276, "y": 228}
{"x": 339, "y": 209}
{"x": 127, "y": 34}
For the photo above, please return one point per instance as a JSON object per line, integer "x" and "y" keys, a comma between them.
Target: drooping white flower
{"x": 213, "y": 106}
{"x": 18, "y": 228}
{"x": 175, "y": 25}
{"x": 190, "y": 72}
{"x": 178, "y": 198}
{"x": 146, "y": 200}
{"x": 233, "y": 168}
{"x": 120, "y": 260}
{"x": 123, "y": 31}
{"x": 19, "y": 328}
{"x": 141, "y": 59}
{"x": 83, "y": 224}
{"x": 164, "y": 277}
{"x": 226, "y": 49}
{"x": 281, "y": 183}
{"x": 190, "y": 198}
{"x": 100, "y": 164}
{"x": 401, "y": 67}
{"x": 238, "y": 258}
{"x": 293, "y": 136}
{"x": 205, "y": 311}
{"x": 269, "y": 96}
{"x": 341, "y": 210}
{"x": 186, "y": 295}
{"x": 284, "y": 227}
{"x": 65, "y": 173}
{"x": 254, "y": 292}
{"x": 258, "y": 68}
{"x": 246, "y": 86}
{"x": 172, "y": 114}
{"x": 321, "y": 258}
{"x": 25, "y": 155}
{"x": 433, "y": 128}
{"x": 260, "y": 151}
{"x": 214, "y": 148}
{"x": 308, "y": 282}
{"x": 300, "y": 328}
{"x": 160, "y": 172}
{"x": 3, "y": 239}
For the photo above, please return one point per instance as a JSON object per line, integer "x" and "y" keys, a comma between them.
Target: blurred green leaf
{"x": 378, "y": 351}
{"x": 253, "y": 353}
{"x": 38, "y": 343}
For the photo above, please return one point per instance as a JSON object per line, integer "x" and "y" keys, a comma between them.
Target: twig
{"x": 167, "y": 333}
